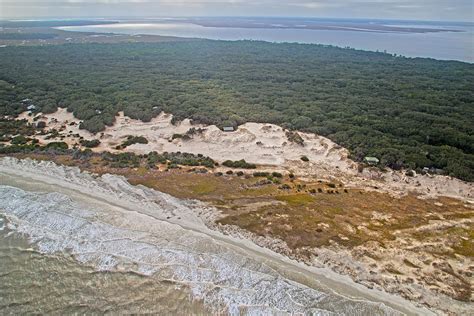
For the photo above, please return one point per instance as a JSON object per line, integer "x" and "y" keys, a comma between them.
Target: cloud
{"x": 314, "y": 4}
{"x": 401, "y": 9}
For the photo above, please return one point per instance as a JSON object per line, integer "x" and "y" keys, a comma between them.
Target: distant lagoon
{"x": 438, "y": 45}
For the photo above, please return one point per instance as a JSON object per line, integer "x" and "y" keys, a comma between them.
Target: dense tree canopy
{"x": 407, "y": 112}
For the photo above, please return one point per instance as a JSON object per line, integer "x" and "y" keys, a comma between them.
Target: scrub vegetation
{"x": 411, "y": 113}
{"x": 402, "y": 241}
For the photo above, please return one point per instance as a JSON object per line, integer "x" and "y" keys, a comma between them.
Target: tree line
{"x": 408, "y": 112}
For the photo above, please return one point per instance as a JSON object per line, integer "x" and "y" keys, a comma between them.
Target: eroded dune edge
{"x": 266, "y": 145}
{"x": 406, "y": 235}
{"x": 112, "y": 225}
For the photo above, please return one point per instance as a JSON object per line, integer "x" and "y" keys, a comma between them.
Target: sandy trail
{"x": 264, "y": 144}
{"x": 153, "y": 233}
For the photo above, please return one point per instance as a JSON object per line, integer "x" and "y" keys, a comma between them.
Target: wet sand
{"x": 113, "y": 226}
{"x": 56, "y": 284}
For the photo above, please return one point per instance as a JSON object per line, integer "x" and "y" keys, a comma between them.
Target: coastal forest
{"x": 408, "y": 112}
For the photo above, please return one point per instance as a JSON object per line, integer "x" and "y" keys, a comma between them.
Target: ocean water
{"x": 75, "y": 243}
{"x": 32, "y": 282}
{"x": 439, "y": 45}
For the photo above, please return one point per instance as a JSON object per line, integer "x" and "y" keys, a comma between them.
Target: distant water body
{"x": 444, "y": 45}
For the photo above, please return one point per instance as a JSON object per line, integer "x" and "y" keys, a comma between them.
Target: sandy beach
{"x": 382, "y": 229}
{"x": 110, "y": 203}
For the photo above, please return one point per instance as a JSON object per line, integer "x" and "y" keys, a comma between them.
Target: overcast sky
{"x": 401, "y": 9}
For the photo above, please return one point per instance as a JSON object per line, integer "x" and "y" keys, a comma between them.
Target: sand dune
{"x": 263, "y": 144}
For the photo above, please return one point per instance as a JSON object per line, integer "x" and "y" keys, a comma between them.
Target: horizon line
{"x": 60, "y": 18}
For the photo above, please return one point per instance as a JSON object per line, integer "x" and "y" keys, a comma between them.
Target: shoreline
{"x": 355, "y": 261}
{"x": 343, "y": 281}
{"x": 306, "y": 37}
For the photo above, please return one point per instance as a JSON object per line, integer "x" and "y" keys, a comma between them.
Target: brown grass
{"x": 305, "y": 218}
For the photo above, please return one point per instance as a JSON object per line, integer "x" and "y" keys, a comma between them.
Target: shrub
{"x": 186, "y": 137}
{"x": 121, "y": 160}
{"x": 90, "y": 143}
{"x": 16, "y": 149}
{"x": 19, "y": 140}
{"x": 229, "y": 172}
{"x": 184, "y": 159}
{"x": 304, "y": 158}
{"x": 82, "y": 154}
{"x": 300, "y": 187}
{"x": 93, "y": 125}
{"x": 410, "y": 173}
{"x": 276, "y": 180}
{"x": 193, "y": 131}
{"x": 41, "y": 124}
{"x": 277, "y": 175}
{"x": 134, "y": 140}
{"x": 295, "y": 137}
{"x": 10, "y": 127}
{"x": 260, "y": 174}
{"x": 57, "y": 145}
{"x": 239, "y": 164}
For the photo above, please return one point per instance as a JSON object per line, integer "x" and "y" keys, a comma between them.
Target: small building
{"x": 371, "y": 160}
{"x": 31, "y": 107}
{"x": 228, "y": 129}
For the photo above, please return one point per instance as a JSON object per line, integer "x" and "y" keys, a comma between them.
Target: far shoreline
{"x": 391, "y": 42}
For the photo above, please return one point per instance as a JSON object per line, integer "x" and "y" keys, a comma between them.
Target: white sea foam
{"x": 133, "y": 235}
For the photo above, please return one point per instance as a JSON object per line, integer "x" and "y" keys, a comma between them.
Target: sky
{"x": 440, "y": 10}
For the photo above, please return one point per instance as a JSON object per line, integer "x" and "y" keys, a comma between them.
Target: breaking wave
{"x": 136, "y": 229}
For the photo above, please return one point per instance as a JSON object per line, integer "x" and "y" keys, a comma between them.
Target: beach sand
{"x": 106, "y": 222}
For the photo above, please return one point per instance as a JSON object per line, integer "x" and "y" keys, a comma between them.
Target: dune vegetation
{"x": 411, "y": 113}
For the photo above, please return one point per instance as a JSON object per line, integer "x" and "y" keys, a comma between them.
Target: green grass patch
{"x": 297, "y": 199}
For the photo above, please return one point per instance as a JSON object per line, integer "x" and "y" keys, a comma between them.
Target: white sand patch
{"x": 262, "y": 144}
